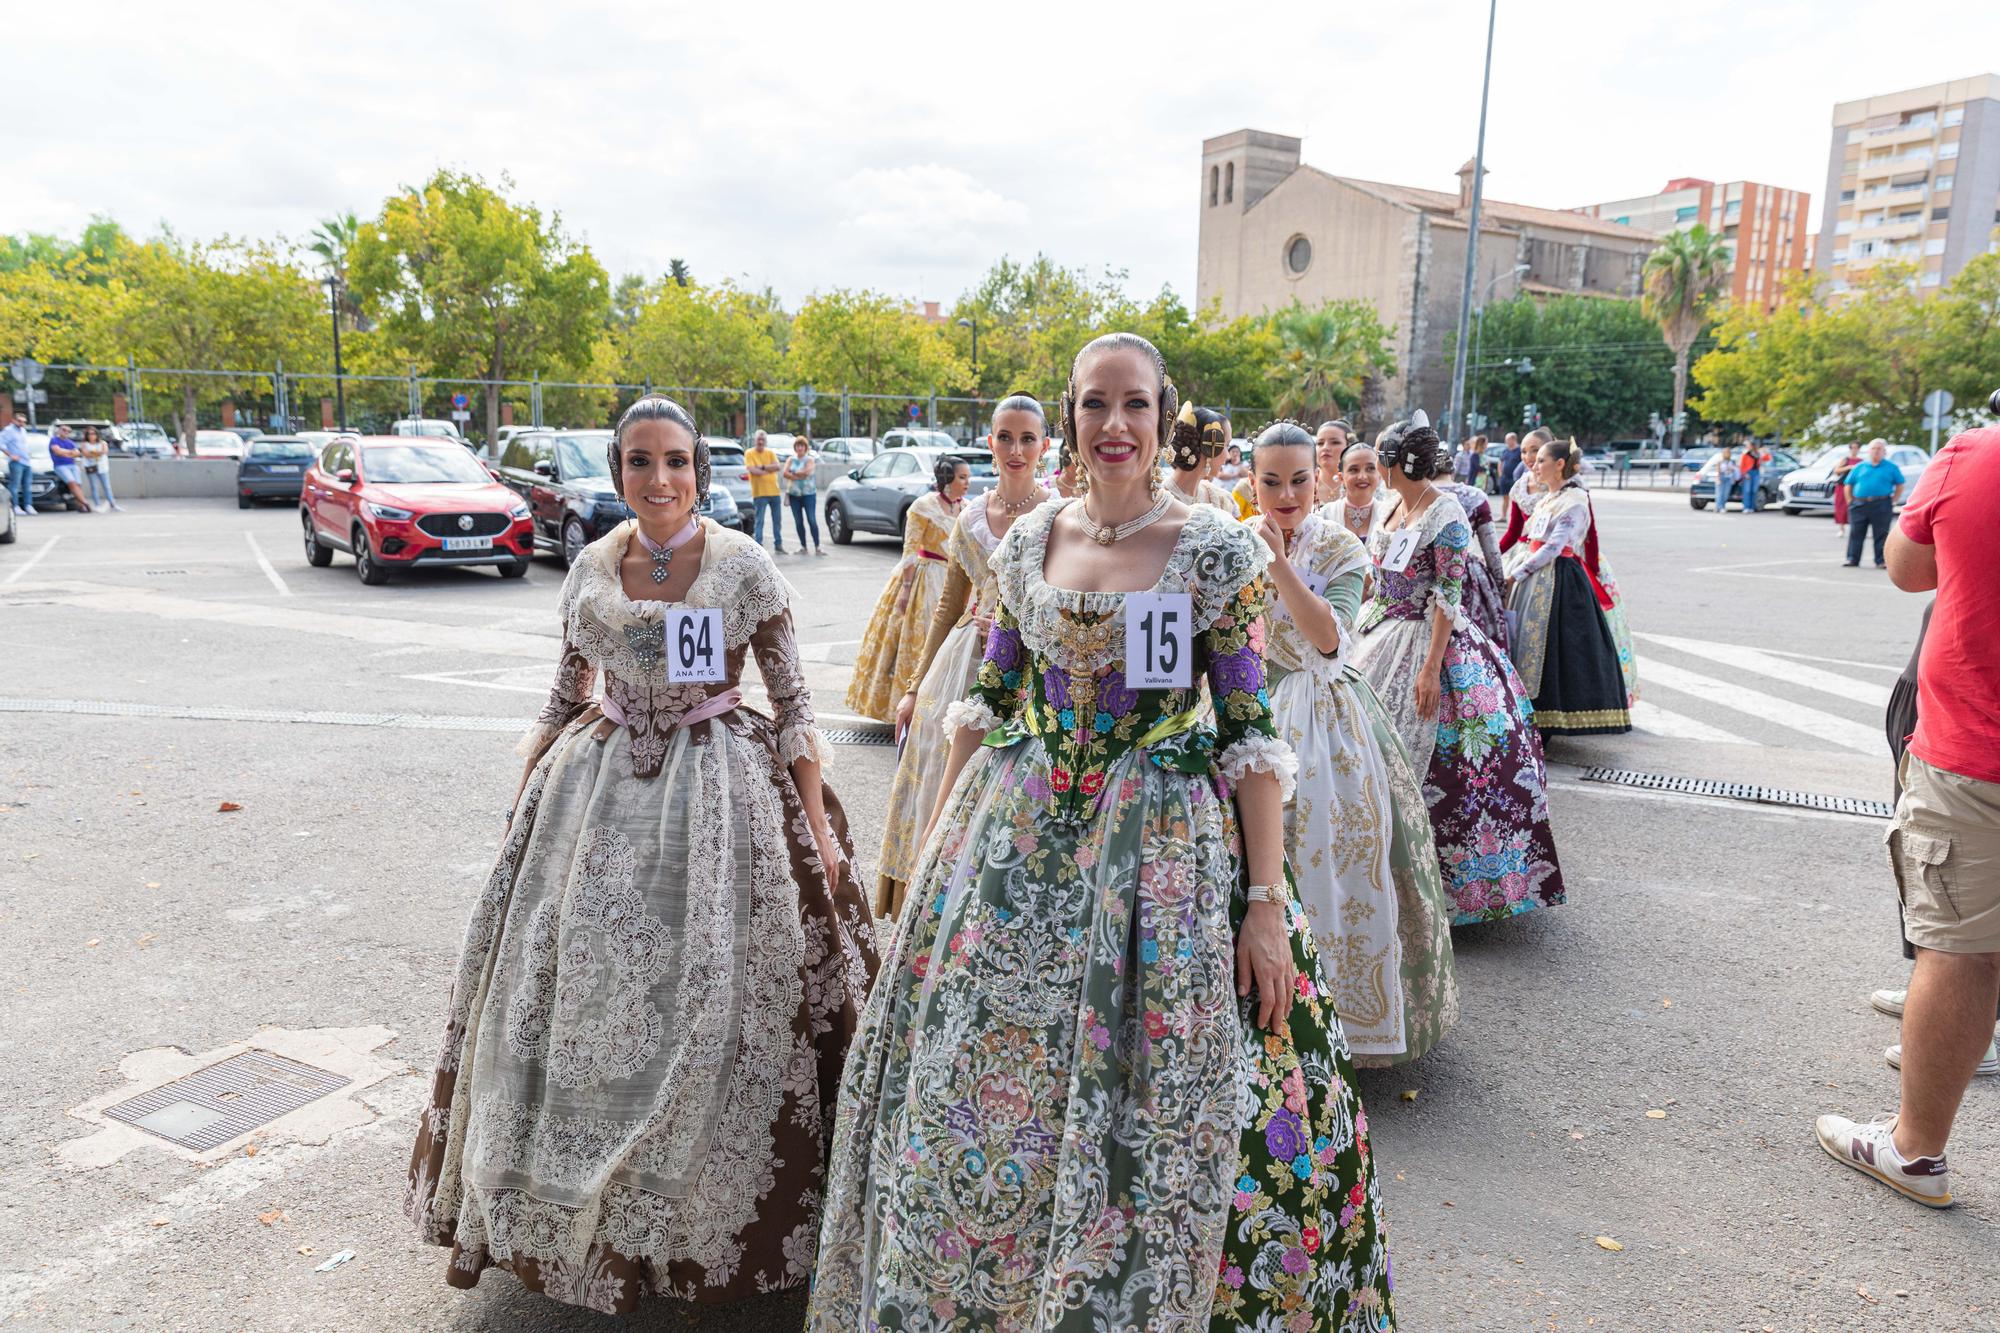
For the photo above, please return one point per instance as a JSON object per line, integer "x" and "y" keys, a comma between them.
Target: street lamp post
{"x": 973, "y": 324}
{"x": 339, "y": 385}
{"x": 1458, "y": 358}
{"x": 1479, "y": 334}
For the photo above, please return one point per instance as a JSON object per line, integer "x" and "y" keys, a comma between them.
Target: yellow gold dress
{"x": 893, "y": 644}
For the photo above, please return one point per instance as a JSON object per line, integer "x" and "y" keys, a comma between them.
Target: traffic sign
{"x": 806, "y": 396}
{"x": 460, "y": 414}
{"x": 26, "y": 369}
{"x": 461, "y": 402}
{"x": 31, "y": 395}
{"x": 1939, "y": 402}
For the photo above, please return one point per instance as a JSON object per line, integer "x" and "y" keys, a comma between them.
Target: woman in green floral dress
{"x": 1100, "y": 1083}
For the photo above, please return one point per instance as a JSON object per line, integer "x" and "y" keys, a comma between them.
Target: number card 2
{"x": 1159, "y": 641}
{"x": 694, "y": 646}
{"x": 1402, "y": 549}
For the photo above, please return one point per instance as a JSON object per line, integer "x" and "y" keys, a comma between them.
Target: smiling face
{"x": 1117, "y": 416}
{"x": 1285, "y": 483}
{"x": 1018, "y": 439}
{"x": 1360, "y": 477}
{"x": 657, "y": 475}
{"x": 1327, "y": 446}
{"x": 799, "y": 447}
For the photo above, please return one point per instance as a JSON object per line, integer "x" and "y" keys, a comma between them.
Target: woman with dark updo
{"x": 892, "y": 647}
{"x": 1454, "y": 696}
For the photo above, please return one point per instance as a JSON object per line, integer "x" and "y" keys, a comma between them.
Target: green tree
{"x": 870, "y": 343}
{"x": 1325, "y": 354}
{"x": 230, "y": 308}
{"x": 1683, "y": 276}
{"x": 699, "y": 337}
{"x": 1595, "y": 367}
{"x": 471, "y": 285}
{"x": 677, "y": 271}
{"x": 1215, "y": 363}
{"x": 332, "y": 240}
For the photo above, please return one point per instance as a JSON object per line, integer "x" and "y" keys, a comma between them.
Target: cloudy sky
{"x": 904, "y": 147}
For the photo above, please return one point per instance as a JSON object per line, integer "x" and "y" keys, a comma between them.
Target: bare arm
{"x": 1912, "y": 565}
{"x": 1309, "y": 611}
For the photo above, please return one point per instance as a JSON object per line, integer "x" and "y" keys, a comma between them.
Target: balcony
{"x": 1891, "y": 230}
{"x": 1902, "y": 134}
{"x": 1892, "y": 196}
{"x": 1892, "y": 166}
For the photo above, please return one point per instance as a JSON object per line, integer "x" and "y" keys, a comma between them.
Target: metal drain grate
{"x": 157, "y": 573}
{"x": 211, "y": 1106}
{"x": 1741, "y": 791}
{"x": 854, "y": 736}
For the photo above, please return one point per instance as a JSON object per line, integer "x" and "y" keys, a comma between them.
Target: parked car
{"x": 394, "y": 502}
{"x": 566, "y": 479}
{"x": 10, "y": 533}
{"x": 1701, "y": 491}
{"x": 1810, "y": 489}
{"x": 216, "y": 444}
{"x": 428, "y": 427}
{"x": 877, "y": 496}
{"x": 272, "y": 468}
{"x": 506, "y": 435}
{"x": 726, "y": 473}
{"x": 143, "y": 439}
{"x": 110, "y": 432}
{"x": 246, "y": 433}
{"x": 916, "y": 437}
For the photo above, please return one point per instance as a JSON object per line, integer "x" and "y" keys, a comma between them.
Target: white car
{"x": 1810, "y": 489}
{"x": 428, "y": 427}
{"x": 217, "y": 444}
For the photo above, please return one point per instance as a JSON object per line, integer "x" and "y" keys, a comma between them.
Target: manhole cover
{"x": 854, "y": 736}
{"x": 1741, "y": 791}
{"x": 206, "y": 1109}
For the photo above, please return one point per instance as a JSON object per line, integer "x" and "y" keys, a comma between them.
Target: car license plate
{"x": 290, "y": 471}
{"x": 468, "y": 543}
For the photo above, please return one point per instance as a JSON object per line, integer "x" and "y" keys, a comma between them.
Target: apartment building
{"x": 1764, "y": 225}
{"x": 1913, "y": 176}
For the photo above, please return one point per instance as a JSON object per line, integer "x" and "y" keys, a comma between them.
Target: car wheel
{"x": 318, "y": 555}
{"x": 1697, "y": 504}
{"x": 836, "y": 523}
{"x": 514, "y": 569}
{"x": 1794, "y": 510}
{"x": 573, "y": 540}
{"x": 242, "y": 502}
{"x": 12, "y": 531}
{"x": 366, "y": 568}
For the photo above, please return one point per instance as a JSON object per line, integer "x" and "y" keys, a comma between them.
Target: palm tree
{"x": 1683, "y": 276}
{"x": 677, "y": 269}
{"x": 332, "y": 240}
{"x": 1326, "y": 355}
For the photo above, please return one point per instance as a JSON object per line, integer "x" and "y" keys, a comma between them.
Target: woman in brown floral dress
{"x": 660, "y": 981}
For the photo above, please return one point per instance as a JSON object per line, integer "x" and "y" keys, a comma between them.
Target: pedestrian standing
{"x": 802, "y": 492}
{"x": 1466, "y": 466}
{"x": 1873, "y": 487}
{"x": 20, "y": 465}
{"x": 1754, "y": 457}
{"x": 1944, "y": 844}
{"x": 763, "y": 467}
{"x": 67, "y": 460}
{"x": 1726, "y": 471}
{"x": 97, "y": 468}
{"x": 1510, "y": 463}
{"x": 1841, "y": 467}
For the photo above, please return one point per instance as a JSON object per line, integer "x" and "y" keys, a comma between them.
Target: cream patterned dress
{"x": 1357, "y": 835}
{"x": 659, "y": 982}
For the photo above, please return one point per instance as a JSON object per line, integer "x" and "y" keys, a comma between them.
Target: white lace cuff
{"x": 1264, "y": 754}
{"x": 972, "y": 713}
{"x": 802, "y": 742}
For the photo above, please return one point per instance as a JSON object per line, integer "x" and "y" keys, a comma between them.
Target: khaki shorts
{"x": 1945, "y": 849}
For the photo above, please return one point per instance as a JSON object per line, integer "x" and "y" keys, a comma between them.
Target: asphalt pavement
{"x": 1640, "y": 1065}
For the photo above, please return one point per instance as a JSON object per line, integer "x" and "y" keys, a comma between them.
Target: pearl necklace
{"x": 1104, "y": 536}
{"x": 1012, "y": 509}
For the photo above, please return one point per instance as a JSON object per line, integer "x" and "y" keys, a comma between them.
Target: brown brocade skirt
{"x": 622, "y": 930}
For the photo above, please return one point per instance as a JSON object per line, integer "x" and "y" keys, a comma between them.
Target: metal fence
{"x": 278, "y": 399}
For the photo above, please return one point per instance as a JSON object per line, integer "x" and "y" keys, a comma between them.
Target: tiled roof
{"x": 1494, "y": 210}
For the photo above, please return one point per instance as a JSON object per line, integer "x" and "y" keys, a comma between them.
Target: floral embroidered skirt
{"x": 1358, "y": 840}
{"x": 893, "y": 644}
{"x": 1481, "y": 757}
{"x": 920, "y": 770}
{"x": 647, "y": 1028}
{"x": 1058, "y": 1114}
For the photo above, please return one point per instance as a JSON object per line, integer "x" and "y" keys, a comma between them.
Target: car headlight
{"x": 389, "y": 512}
{"x": 519, "y": 509}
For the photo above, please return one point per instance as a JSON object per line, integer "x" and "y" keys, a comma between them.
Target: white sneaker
{"x": 1871, "y": 1150}
{"x": 1988, "y": 1067}
{"x": 1889, "y": 1002}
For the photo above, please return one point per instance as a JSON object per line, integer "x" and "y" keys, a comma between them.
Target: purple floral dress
{"x": 1481, "y": 756}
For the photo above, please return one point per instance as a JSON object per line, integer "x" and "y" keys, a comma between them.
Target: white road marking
{"x": 265, "y": 565}
{"x": 1770, "y": 707}
{"x": 1782, "y": 672}
{"x": 1745, "y": 809}
{"x": 1854, "y": 578}
{"x": 1835, "y": 661}
{"x": 35, "y": 559}
{"x": 1654, "y": 720}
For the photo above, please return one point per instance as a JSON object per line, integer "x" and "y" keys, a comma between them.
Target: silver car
{"x": 876, "y": 497}
{"x": 1810, "y": 489}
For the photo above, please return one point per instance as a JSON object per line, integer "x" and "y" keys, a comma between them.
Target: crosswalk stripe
{"x": 1779, "y": 669}
{"x": 1654, "y": 720}
{"x": 1770, "y": 707}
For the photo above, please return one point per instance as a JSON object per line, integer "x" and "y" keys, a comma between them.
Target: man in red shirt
{"x": 1945, "y": 842}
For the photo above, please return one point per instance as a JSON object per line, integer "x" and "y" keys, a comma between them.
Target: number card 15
{"x": 1159, "y": 640}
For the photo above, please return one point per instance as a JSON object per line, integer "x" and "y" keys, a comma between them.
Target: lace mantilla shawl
{"x": 1214, "y": 559}
{"x": 1323, "y": 550}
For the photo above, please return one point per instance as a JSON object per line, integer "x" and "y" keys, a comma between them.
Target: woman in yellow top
{"x": 892, "y": 647}
{"x": 957, "y": 640}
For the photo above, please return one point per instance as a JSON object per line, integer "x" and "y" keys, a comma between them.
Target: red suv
{"x": 397, "y": 502}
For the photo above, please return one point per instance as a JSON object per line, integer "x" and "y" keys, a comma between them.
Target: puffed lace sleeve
{"x": 1229, "y": 616}
{"x": 575, "y": 682}
{"x": 996, "y": 688}
{"x": 777, "y": 650}
{"x": 1565, "y": 531}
